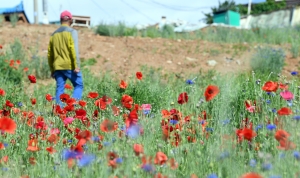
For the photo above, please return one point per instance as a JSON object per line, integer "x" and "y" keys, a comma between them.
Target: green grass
{"x": 216, "y": 150}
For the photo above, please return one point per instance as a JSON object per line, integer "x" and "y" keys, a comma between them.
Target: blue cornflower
{"x": 212, "y": 176}
{"x": 227, "y": 121}
{"x": 252, "y": 163}
{"x": 5, "y": 145}
{"x": 70, "y": 141}
{"x": 119, "y": 160}
{"x": 113, "y": 140}
{"x": 95, "y": 138}
{"x": 4, "y": 169}
{"x": 209, "y": 129}
{"x": 86, "y": 160}
{"x": 281, "y": 155}
{"x": 274, "y": 176}
{"x": 274, "y": 110}
{"x": 297, "y": 118}
{"x": 259, "y": 126}
{"x": 271, "y": 126}
{"x": 146, "y": 112}
{"x": 268, "y": 101}
{"x": 20, "y": 104}
{"x": 201, "y": 122}
{"x": 133, "y": 131}
{"x": 294, "y": 73}
{"x": 267, "y": 166}
{"x": 122, "y": 127}
{"x": 67, "y": 154}
{"x": 190, "y": 82}
{"x": 296, "y": 155}
{"x": 173, "y": 122}
{"x": 106, "y": 143}
{"x": 290, "y": 103}
{"x": 148, "y": 168}
{"x": 224, "y": 155}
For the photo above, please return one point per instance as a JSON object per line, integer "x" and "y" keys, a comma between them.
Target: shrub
{"x": 295, "y": 48}
{"x": 115, "y": 30}
{"x": 13, "y": 19}
{"x": 267, "y": 60}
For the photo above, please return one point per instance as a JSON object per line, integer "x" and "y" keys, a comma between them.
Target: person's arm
{"x": 75, "y": 50}
{"x": 50, "y": 56}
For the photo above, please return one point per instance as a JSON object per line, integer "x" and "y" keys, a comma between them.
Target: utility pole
{"x": 249, "y": 7}
{"x": 36, "y": 18}
{"x": 45, "y": 10}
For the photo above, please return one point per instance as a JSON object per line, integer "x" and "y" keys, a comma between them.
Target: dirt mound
{"x": 124, "y": 56}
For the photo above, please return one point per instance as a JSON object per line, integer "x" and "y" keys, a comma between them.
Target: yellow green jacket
{"x": 63, "y": 53}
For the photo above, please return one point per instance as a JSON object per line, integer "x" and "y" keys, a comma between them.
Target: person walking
{"x": 63, "y": 58}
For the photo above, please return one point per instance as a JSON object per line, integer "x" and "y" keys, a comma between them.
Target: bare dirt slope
{"x": 124, "y": 56}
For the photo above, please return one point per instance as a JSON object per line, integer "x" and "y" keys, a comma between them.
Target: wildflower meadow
{"x": 149, "y": 125}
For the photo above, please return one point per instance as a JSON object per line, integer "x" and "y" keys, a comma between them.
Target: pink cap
{"x": 65, "y": 14}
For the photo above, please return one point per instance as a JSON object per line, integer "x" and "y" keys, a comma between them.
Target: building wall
{"x": 280, "y": 18}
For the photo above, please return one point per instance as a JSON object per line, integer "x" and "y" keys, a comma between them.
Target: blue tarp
{"x": 16, "y": 9}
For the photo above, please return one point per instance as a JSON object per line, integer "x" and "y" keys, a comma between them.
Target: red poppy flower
{"x": 71, "y": 102}
{"x": 51, "y": 150}
{"x": 284, "y": 111}
{"x": 281, "y": 135}
{"x": 1, "y": 47}
{"x": 270, "y": 86}
{"x": 285, "y": 144}
{"x": 245, "y": 133}
{"x": 283, "y": 86}
{"x": 112, "y": 157}
{"x": 116, "y": 110}
{"x": 183, "y": 98}
{"x": 160, "y": 158}
{"x": 82, "y": 103}
{"x": 4, "y": 159}
{"x": 26, "y": 69}
{"x": 173, "y": 163}
{"x": 93, "y": 95}
{"x": 127, "y": 101}
{"x": 80, "y": 113}
{"x": 64, "y": 97}
{"x": 251, "y": 175}
{"x": 138, "y": 149}
{"x": 33, "y": 101}
{"x": 18, "y": 61}
{"x": 139, "y": 75}
{"x": 106, "y": 99}
{"x": 33, "y": 145}
{"x": 2, "y": 146}
{"x": 2, "y": 92}
{"x": 68, "y": 87}
{"x": 32, "y": 78}
{"x": 123, "y": 84}
{"x": 108, "y": 126}
{"x": 53, "y": 138}
{"x": 41, "y": 125}
{"x": 32, "y": 160}
{"x": 48, "y": 97}
{"x": 100, "y": 103}
{"x": 7, "y": 125}
{"x": 9, "y": 104}
{"x": 132, "y": 118}
{"x": 210, "y": 92}
{"x": 85, "y": 134}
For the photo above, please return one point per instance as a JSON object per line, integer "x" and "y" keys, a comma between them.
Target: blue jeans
{"x": 61, "y": 77}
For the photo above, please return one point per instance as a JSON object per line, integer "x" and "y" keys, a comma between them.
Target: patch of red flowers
{"x": 32, "y": 78}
